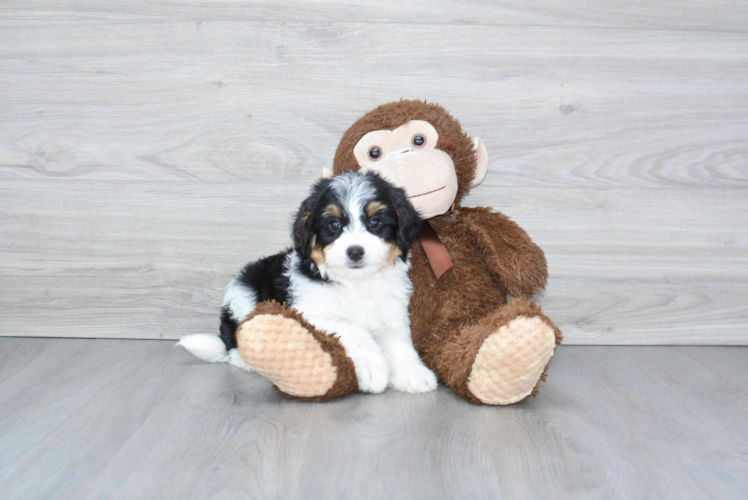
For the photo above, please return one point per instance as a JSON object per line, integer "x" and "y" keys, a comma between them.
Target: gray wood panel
{"x": 666, "y": 14}
{"x": 132, "y": 419}
{"x": 147, "y": 151}
{"x": 234, "y": 101}
{"x": 144, "y": 259}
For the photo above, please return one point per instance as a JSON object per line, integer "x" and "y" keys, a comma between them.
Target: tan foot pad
{"x": 511, "y": 361}
{"x": 283, "y": 351}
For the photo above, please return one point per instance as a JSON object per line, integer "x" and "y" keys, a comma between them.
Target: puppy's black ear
{"x": 409, "y": 222}
{"x": 302, "y": 227}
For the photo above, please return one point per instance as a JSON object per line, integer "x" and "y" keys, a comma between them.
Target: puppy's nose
{"x": 355, "y": 253}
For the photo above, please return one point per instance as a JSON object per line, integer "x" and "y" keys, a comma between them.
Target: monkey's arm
{"x": 512, "y": 258}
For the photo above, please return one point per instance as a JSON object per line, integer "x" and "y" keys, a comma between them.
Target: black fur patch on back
{"x": 266, "y": 278}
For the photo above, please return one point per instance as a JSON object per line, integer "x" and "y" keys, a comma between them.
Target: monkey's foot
{"x": 301, "y": 361}
{"x": 511, "y": 361}
{"x": 282, "y": 350}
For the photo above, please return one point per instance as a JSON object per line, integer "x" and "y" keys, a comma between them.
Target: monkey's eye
{"x": 375, "y": 152}
{"x": 419, "y": 140}
{"x": 334, "y": 225}
{"x": 374, "y": 222}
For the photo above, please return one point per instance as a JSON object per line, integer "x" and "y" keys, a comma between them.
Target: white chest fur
{"x": 376, "y": 303}
{"x": 369, "y": 316}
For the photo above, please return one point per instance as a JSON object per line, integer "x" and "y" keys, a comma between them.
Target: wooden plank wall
{"x": 149, "y": 149}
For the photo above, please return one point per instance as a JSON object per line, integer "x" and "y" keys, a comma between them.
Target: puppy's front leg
{"x": 407, "y": 371}
{"x": 370, "y": 363}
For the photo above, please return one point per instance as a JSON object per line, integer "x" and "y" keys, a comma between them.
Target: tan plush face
{"x": 407, "y": 157}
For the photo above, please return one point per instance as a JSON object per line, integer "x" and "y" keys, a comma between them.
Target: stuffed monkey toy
{"x": 465, "y": 266}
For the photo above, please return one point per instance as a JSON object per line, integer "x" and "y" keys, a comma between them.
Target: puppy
{"x": 347, "y": 274}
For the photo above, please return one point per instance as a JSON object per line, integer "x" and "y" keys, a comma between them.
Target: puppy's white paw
{"x": 373, "y": 373}
{"x": 413, "y": 378}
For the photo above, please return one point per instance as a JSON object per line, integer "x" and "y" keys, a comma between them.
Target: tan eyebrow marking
{"x": 332, "y": 210}
{"x": 374, "y": 208}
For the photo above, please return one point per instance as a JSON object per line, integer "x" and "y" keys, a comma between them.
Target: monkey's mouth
{"x": 429, "y": 192}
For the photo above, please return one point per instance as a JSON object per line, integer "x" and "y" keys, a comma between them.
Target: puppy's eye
{"x": 334, "y": 225}
{"x": 375, "y": 152}
{"x": 419, "y": 140}
{"x": 374, "y": 222}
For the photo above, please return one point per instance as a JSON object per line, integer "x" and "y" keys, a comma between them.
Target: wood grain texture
{"x": 667, "y": 14}
{"x": 144, "y": 259}
{"x": 147, "y": 151}
{"x": 232, "y": 101}
{"x": 127, "y": 419}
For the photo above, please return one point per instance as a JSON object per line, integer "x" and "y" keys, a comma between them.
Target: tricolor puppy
{"x": 347, "y": 274}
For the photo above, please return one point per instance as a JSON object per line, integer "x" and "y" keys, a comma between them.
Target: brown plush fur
{"x": 346, "y": 381}
{"x": 452, "y": 316}
{"x": 492, "y": 256}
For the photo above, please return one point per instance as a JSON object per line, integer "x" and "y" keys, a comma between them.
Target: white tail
{"x": 212, "y": 349}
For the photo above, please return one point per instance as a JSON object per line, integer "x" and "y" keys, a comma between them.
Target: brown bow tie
{"x": 436, "y": 252}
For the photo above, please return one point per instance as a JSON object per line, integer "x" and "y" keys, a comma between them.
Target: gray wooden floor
{"x": 84, "y": 418}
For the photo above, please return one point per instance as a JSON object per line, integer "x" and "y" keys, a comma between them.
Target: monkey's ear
{"x": 481, "y": 166}
{"x": 327, "y": 173}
